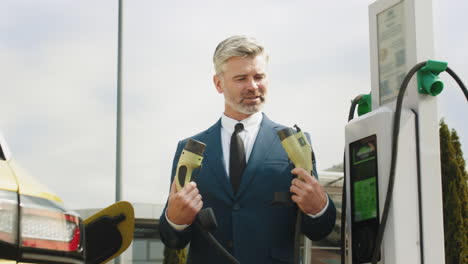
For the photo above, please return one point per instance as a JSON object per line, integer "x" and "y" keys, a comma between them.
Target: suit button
{"x": 236, "y": 207}
{"x": 229, "y": 244}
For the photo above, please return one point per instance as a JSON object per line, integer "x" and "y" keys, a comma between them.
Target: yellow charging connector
{"x": 190, "y": 159}
{"x": 297, "y": 147}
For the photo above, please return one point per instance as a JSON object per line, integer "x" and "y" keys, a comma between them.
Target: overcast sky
{"x": 58, "y": 64}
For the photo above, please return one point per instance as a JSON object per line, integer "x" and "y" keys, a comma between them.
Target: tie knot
{"x": 238, "y": 128}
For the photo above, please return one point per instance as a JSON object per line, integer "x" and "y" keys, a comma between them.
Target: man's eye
{"x": 259, "y": 77}
{"x": 240, "y": 79}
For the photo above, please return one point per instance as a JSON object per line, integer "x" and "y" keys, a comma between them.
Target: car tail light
{"x": 8, "y": 217}
{"x": 50, "y": 230}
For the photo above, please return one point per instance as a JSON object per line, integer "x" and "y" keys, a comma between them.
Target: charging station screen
{"x": 364, "y": 197}
{"x": 392, "y": 51}
{"x": 364, "y": 179}
{"x": 365, "y": 202}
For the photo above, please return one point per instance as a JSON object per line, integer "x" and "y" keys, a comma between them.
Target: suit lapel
{"x": 214, "y": 158}
{"x": 266, "y": 137}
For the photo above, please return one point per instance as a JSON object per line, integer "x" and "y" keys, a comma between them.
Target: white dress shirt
{"x": 248, "y": 135}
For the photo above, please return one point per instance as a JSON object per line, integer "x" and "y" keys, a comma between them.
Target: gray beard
{"x": 247, "y": 109}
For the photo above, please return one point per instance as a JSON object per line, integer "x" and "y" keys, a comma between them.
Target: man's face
{"x": 244, "y": 85}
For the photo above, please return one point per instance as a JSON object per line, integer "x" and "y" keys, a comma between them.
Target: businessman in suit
{"x": 244, "y": 165}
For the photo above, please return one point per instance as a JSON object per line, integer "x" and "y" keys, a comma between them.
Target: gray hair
{"x": 236, "y": 46}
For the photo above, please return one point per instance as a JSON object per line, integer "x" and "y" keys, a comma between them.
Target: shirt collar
{"x": 250, "y": 123}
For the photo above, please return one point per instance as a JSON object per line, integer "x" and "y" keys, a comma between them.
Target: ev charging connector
{"x": 428, "y": 77}
{"x": 190, "y": 159}
{"x": 364, "y": 104}
{"x": 297, "y": 147}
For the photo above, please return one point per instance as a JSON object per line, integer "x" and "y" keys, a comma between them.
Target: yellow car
{"x": 35, "y": 227}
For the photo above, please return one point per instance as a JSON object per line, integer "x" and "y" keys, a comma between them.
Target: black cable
{"x": 297, "y": 235}
{"x": 391, "y": 179}
{"x": 215, "y": 244}
{"x": 458, "y": 80}
{"x": 352, "y": 109}
{"x": 418, "y": 166}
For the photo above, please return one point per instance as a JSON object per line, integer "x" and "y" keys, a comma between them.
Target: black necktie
{"x": 236, "y": 157}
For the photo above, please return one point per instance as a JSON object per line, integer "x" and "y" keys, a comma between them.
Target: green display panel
{"x": 365, "y": 199}
{"x": 364, "y": 179}
{"x": 364, "y": 182}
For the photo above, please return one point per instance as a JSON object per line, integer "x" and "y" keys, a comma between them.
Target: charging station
{"x": 400, "y": 37}
{"x": 368, "y": 153}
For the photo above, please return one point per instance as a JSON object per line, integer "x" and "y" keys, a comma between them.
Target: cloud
{"x": 56, "y": 115}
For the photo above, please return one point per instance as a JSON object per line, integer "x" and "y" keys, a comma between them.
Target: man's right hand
{"x": 184, "y": 205}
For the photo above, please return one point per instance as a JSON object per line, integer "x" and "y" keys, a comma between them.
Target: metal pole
{"x": 118, "y": 158}
{"x": 307, "y": 249}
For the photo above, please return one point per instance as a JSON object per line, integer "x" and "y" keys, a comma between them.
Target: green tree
{"x": 175, "y": 256}
{"x": 455, "y": 196}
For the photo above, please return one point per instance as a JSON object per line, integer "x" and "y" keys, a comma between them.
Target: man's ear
{"x": 218, "y": 82}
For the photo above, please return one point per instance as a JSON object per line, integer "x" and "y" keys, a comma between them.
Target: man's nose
{"x": 252, "y": 84}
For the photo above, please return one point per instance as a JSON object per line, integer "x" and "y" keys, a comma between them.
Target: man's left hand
{"x": 308, "y": 194}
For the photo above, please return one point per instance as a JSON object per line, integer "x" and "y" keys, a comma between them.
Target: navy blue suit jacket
{"x": 249, "y": 226}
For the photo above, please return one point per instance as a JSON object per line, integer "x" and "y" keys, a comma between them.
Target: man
{"x": 238, "y": 180}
